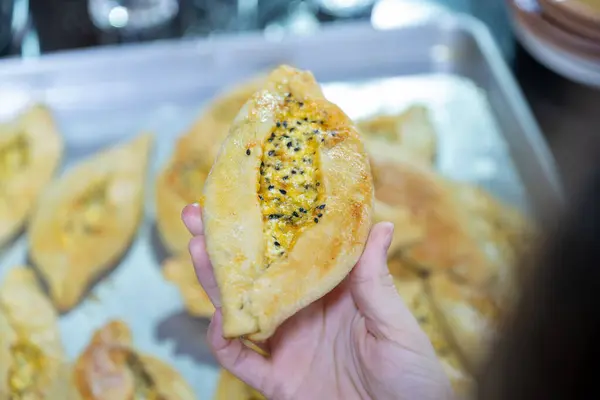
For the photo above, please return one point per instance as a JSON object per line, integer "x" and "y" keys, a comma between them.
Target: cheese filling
{"x": 145, "y": 388}
{"x": 28, "y": 364}
{"x": 290, "y": 183}
{"x": 86, "y": 214}
{"x": 14, "y": 156}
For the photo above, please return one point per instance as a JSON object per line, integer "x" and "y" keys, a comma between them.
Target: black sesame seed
{"x": 271, "y": 187}
{"x": 292, "y": 129}
{"x": 277, "y": 244}
{"x": 282, "y": 191}
{"x": 320, "y": 215}
{"x": 275, "y": 216}
{"x": 286, "y": 136}
{"x": 278, "y": 124}
{"x": 273, "y": 135}
{"x": 270, "y": 140}
{"x": 306, "y": 186}
{"x": 302, "y": 172}
{"x": 316, "y": 220}
{"x": 319, "y": 184}
{"x": 297, "y": 149}
{"x": 260, "y": 197}
{"x": 289, "y": 95}
{"x": 322, "y": 206}
{"x": 295, "y": 214}
{"x": 262, "y": 164}
{"x": 305, "y": 119}
{"x": 298, "y": 123}
{"x": 322, "y": 140}
{"x": 271, "y": 152}
{"x": 301, "y": 104}
{"x": 281, "y": 253}
{"x": 285, "y": 178}
{"x": 277, "y": 167}
{"x": 294, "y": 172}
{"x": 316, "y": 131}
{"x": 248, "y": 152}
{"x": 285, "y": 124}
{"x": 302, "y": 210}
{"x": 289, "y": 144}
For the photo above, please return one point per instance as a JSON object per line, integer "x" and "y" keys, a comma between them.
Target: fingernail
{"x": 390, "y": 235}
{"x": 197, "y": 205}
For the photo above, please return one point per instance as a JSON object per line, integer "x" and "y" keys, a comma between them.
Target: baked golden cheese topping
{"x": 28, "y": 364}
{"x": 290, "y": 185}
{"x": 86, "y": 214}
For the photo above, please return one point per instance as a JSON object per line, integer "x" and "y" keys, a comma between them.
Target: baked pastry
{"x": 32, "y": 364}
{"x": 468, "y": 316}
{"x": 180, "y": 271}
{"x": 406, "y": 231}
{"x": 111, "y": 369}
{"x": 230, "y": 387}
{"x": 408, "y": 134}
{"x": 180, "y": 182}
{"x": 88, "y": 218}
{"x": 458, "y": 237}
{"x": 30, "y": 152}
{"x": 412, "y": 290}
{"x": 287, "y": 205}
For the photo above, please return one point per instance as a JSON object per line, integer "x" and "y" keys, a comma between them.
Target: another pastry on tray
{"x": 467, "y": 314}
{"x": 110, "y": 368}
{"x": 180, "y": 271}
{"x": 410, "y": 133}
{"x": 30, "y": 152}
{"x": 287, "y": 205}
{"x": 230, "y": 387}
{"x": 180, "y": 182}
{"x": 32, "y": 364}
{"x": 412, "y": 290}
{"x": 458, "y": 237}
{"x": 87, "y": 219}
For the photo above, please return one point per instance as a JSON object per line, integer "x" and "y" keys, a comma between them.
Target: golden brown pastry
{"x": 88, "y": 218}
{"x": 180, "y": 271}
{"x": 181, "y": 180}
{"x": 406, "y": 231}
{"x": 30, "y": 152}
{"x": 466, "y": 314}
{"x": 231, "y": 388}
{"x": 412, "y": 290}
{"x": 111, "y": 369}
{"x": 287, "y": 205}
{"x": 32, "y": 362}
{"x": 409, "y": 133}
{"x": 458, "y": 237}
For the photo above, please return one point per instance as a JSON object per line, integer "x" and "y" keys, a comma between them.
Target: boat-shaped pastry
{"x": 32, "y": 362}
{"x": 30, "y": 152}
{"x": 110, "y": 368}
{"x": 87, "y": 219}
{"x": 288, "y": 204}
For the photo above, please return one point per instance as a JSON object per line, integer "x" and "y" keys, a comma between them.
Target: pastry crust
{"x": 408, "y": 134}
{"x": 461, "y": 236}
{"x": 180, "y": 271}
{"x": 32, "y": 361}
{"x": 257, "y": 299}
{"x": 111, "y": 369}
{"x": 30, "y": 152}
{"x": 466, "y": 314}
{"x": 412, "y": 289}
{"x": 88, "y": 218}
{"x": 407, "y": 231}
{"x": 231, "y": 388}
{"x": 180, "y": 182}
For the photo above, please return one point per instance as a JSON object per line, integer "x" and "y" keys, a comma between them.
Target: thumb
{"x": 374, "y": 291}
{"x": 234, "y": 356}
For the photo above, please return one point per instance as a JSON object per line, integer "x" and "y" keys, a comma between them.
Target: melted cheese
{"x": 28, "y": 363}
{"x": 86, "y": 215}
{"x": 290, "y": 185}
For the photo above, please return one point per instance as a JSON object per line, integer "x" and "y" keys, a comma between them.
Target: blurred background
{"x": 560, "y": 54}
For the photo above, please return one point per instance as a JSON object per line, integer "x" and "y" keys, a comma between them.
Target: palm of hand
{"x": 357, "y": 342}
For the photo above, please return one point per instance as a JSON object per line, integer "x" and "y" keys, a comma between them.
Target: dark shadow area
{"x": 159, "y": 251}
{"x": 188, "y": 334}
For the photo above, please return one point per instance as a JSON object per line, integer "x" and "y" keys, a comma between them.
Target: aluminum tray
{"x": 106, "y": 95}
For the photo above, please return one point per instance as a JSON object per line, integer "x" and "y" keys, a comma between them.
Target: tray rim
{"x": 211, "y": 45}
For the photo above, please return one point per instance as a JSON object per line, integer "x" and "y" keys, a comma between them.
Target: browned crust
{"x": 102, "y": 372}
{"x": 255, "y": 303}
{"x": 68, "y": 269}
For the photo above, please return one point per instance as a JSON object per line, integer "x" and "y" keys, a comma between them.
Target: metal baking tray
{"x": 101, "y": 96}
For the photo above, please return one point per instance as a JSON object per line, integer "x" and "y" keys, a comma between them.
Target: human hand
{"x": 358, "y": 342}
